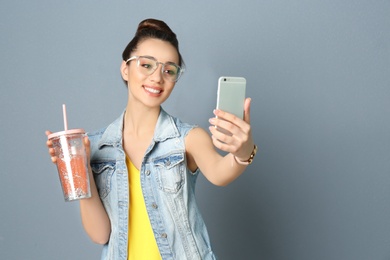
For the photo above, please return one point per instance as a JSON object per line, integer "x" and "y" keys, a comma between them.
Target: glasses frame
{"x": 181, "y": 70}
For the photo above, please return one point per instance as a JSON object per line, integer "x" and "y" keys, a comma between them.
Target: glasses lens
{"x": 146, "y": 65}
{"x": 171, "y": 71}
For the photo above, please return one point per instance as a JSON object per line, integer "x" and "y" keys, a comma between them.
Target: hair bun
{"x": 153, "y": 24}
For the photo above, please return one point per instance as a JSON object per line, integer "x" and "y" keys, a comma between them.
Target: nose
{"x": 157, "y": 76}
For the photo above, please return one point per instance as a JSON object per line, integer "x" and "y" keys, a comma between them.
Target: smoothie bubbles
{"x": 71, "y": 161}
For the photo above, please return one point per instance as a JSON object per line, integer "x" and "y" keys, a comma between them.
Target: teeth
{"x": 152, "y": 90}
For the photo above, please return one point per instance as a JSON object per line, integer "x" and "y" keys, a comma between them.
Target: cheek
{"x": 135, "y": 77}
{"x": 132, "y": 73}
{"x": 169, "y": 87}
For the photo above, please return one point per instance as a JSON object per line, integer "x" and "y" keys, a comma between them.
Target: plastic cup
{"x": 72, "y": 163}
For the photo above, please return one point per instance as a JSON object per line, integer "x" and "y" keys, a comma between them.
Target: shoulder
{"x": 110, "y": 135}
{"x": 183, "y": 127}
{"x": 197, "y": 137}
{"x": 96, "y": 135}
{"x": 191, "y": 132}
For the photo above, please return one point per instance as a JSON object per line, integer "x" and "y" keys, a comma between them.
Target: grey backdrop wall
{"x": 319, "y": 76}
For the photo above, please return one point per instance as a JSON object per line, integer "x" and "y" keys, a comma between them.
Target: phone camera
{"x": 224, "y": 79}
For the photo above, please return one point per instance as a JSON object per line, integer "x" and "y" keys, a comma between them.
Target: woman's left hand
{"x": 238, "y": 140}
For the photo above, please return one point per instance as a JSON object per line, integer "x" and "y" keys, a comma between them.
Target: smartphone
{"x": 231, "y": 95}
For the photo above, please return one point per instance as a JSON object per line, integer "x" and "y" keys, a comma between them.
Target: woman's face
{"x": 150, "y": 90}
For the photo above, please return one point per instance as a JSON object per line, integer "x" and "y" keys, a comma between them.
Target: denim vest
{"x": 167, "y": 184}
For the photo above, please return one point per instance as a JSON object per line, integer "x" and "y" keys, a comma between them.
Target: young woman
{"x": 143, "y": 166}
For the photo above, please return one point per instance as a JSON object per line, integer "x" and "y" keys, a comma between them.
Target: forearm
{"x": 219, "y": 170}
{"x": 94, "y": 216}
{"x": 225, "y": 171}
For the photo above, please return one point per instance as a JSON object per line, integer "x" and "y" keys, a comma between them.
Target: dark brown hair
{"x": 152, "y": 28}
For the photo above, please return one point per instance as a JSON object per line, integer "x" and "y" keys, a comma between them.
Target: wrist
{"x": 249, "y": 160}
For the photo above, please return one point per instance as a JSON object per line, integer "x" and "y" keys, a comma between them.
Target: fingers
{"x": 52, "y": 154}
{"x": 241, "y": 148}
{"x": 247, "y": 110}
{"x": 223, "y": 141}
{"x": 87, "y": 146}
{"x": 234, "y": 125}
{"x": 52, "y": 151}
{"x": 238, "y": 138}
{"x": 49, "y": 145}
{"x": 230, "y": 139}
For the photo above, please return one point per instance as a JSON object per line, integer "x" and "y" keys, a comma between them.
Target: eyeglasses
{"x": 147, "y": 65}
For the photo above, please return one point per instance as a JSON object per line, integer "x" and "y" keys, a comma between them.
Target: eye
{"x": 170, "y": 72}
{"x": 170, "y": 69}
{"x": 146, "y": 63}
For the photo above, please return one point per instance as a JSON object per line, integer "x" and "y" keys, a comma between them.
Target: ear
{"x": 124, "y": 71}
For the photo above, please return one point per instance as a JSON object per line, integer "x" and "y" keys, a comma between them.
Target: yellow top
{"x": 142, "y": 244}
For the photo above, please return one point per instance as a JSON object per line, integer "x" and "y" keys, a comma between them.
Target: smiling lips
{"x": 152, "y": 90}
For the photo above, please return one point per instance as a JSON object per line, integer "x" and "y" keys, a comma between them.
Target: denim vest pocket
{"x": 170, "y": 170}
{"x": 102, "y": 173}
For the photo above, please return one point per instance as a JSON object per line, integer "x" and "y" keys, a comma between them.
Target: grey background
{"x": 319, "y": 76}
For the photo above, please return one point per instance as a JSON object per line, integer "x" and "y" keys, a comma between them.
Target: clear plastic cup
{"x": 72, "y": 163}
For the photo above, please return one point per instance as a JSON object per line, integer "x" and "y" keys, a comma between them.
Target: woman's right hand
{"x": 52, "y": 154}
{"x": 49, "y": 145}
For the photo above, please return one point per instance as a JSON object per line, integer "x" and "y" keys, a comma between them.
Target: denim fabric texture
{"x": 167, "y": 184}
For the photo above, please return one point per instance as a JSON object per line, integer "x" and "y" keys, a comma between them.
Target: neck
{"x": 140, "y": 121}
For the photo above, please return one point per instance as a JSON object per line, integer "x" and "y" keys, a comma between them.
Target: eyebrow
{"x": 150, "y": 56}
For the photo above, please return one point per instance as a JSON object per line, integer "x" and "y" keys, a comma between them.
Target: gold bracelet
{"x": 250, "y": 160}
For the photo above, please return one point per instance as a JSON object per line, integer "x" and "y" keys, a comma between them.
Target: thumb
{"x": 247, "y": 110}
{"x": 87, "y": 147}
